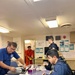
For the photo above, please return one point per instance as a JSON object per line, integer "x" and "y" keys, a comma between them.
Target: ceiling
{"x": 26, "y": 18}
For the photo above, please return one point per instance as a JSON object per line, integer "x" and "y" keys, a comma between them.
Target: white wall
{"x": 4, "y": 39}
{"x": 20, "y": 43}
{"x": 70, "y": 54}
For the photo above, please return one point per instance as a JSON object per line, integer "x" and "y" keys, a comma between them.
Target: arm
{"x": 3, "y": 65}
{"x": 58, "y": 70}
{"x": 19, "y": 59}
{"x": 22, "y": 62}
{"x": 48, "y": 66}
{"x": 7, "y": 67}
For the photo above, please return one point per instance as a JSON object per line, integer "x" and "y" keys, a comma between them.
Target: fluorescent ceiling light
{"x": 36, "y": 0}
{"x": 4, "y": 30}
{"x": 52, "y": 24}
{"x": 27, "y": 41}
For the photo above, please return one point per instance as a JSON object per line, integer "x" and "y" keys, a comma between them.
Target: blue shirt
{"x": 6, "y": 59}
{"x": 61, "y": 68}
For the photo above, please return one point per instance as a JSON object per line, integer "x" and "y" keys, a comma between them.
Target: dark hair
{"x": 29, "y": 47}
{"x": 14, "y": 44}
{"x": 51, "y": 37}
{"x": 52, "y": 52}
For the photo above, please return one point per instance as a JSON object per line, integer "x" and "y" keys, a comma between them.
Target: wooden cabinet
{"x": 39, "y": 61}
{"x": 72, "y": 37}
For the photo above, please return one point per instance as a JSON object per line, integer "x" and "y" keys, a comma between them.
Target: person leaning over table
{"x": 60, "y": 66}
{"x": 5, "y": 58}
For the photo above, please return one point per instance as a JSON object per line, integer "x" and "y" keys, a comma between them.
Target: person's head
{"x": 11, "y": 47}
{"x": 29, "y": 47}
{"x": 50, "y": 39}
{"x": 52, "y": 56}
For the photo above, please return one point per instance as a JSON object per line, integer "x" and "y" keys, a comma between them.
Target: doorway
{"x": 29, "y": 56}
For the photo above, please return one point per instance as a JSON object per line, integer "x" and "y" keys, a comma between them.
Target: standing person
{"x": 29, "y": 56}
{"x": 5, "y": 58}
{"x": 60, "y": 66}
{"x": 52, "y": 44}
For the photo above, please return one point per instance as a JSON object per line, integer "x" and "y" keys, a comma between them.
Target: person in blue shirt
{"x": 60, "y": 66}
{"x": 5, "y": 58}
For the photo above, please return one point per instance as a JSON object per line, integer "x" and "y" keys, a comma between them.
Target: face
{"x": 50, "y": 41}
{"x": 29, "y": 48}
{"x": 52, "y": 59}
{"x": 10, "y": 49}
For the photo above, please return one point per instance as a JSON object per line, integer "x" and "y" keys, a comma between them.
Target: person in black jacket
{"x": 52, "y": 44}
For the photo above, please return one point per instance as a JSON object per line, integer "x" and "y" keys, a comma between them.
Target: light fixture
{"x": 4, "y": 30}
{"x": 36, "y": 0}
{"x": 66, "y": 25}
{"x": 27, "y": 41}
{"x": 52, "y": 23}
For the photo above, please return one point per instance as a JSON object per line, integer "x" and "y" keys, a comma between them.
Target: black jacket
{"x": 53, "y": 46}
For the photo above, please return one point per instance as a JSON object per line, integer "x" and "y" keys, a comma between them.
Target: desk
{"x": 37, "y": 70}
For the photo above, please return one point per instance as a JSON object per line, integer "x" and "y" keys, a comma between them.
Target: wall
{"x": 20, "y": 46}
{"x": 4, "y": 39}
{"x": 67, "y": 55}
{"x": 70, "y": 56}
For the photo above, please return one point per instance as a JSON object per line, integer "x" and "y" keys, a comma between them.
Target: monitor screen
{"x": 45, "y": 50}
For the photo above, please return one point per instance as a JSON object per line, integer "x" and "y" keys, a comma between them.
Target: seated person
{"x": 60, "y": 66}
{"x": 48, "y": 65}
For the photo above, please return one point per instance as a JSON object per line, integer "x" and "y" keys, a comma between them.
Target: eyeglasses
{"x": 12, "y": 48}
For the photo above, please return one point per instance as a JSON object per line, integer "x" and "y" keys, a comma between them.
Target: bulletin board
{"x": 39, "y": 51}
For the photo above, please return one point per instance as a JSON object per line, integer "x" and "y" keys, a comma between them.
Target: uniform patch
{"x": 11, "y": 55}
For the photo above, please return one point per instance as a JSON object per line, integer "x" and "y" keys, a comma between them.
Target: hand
{"x": 13, "y": 69}
{"x": 44, "y": 74}
{"x": 24, "y": 66}
{"x": 32, "y": 56}
{"x": 45, "y": 63}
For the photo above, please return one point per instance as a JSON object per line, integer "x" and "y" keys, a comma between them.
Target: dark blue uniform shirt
{"x": 6, "y": 58}
{"x": 61, "y": 68}
{"x": 53, "y": 46}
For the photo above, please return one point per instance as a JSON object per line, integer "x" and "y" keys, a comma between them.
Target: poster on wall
{"x": 71, "y": 46}
{"x": 40, "y": 43}
{"x": 39, "y": 50}
{"x": 62, "y": 46}
{"x": 66, "y": 45}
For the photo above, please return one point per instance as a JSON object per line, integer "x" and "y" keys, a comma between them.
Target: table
{"x": 35, "y": 72}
